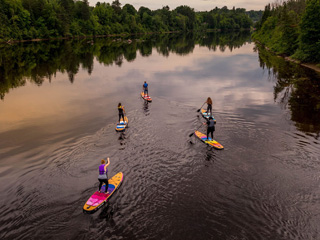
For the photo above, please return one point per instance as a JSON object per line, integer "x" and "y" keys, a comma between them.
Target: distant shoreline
{"x": 109, "y": 35}
{"x": 83, "y": 37}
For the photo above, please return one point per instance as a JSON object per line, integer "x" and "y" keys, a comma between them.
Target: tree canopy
{"x": 292, "y": 28}
{"x": 32, "y": 19}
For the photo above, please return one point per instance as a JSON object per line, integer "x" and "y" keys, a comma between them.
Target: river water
{"x": 57, "y": 118}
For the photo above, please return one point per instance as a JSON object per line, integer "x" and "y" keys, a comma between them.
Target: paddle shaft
{"x": 190, "y": 135}
{"x": 201, "y": 107}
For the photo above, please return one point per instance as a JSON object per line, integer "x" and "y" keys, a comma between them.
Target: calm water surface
{"x": 57, "y": 120}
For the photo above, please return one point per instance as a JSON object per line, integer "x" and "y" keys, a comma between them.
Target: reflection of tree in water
{"x": 296, "y": 87}
{"x": 38, "y": 61}
{"x": 224, "y": 40}
{"x": 305, "y": 105}
{"x": 119, "y": 60}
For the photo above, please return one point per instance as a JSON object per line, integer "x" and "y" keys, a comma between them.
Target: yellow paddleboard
{"x": 210, "y": 142}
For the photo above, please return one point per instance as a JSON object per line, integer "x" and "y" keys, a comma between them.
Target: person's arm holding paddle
{"x": 107, "y": 165}
{"x": 201, "y": 106}
{"x": 124, "y": 113}
{"x": 207, "y": 122}
{"x": 143, "y": 90}
{"x": 103, "y": 174}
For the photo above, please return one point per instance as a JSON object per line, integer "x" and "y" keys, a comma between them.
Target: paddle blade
{"x": 198, "y": 110}
{"x": 190, "y": 135}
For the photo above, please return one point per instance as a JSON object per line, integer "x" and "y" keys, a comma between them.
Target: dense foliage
{"x": 292, "y": 28}
{"x": 255, "y": 15}
{"x": 32, "y": 19}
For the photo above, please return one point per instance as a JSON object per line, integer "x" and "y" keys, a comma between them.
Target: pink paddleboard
{"x": 97, "y": 199}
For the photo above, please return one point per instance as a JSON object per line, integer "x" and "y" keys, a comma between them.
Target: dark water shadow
{"x": 210, "y": 155}
{"x": 122, "y": 140}
{"x": 107, "y": 212}
{"x": 296, "y": 88}
{"x": 146, "y": 107}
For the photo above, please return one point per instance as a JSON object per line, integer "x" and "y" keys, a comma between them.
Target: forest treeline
{"x": 41, "y": 19}
{"x": 292, "y": 28}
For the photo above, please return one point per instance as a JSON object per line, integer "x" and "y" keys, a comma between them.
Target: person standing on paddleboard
{"x": 211, "y": 128}
{"x": 121, "y": 112}
{"x": 103, "y": 174}
{"x": 209, "y": 107}
{"x": 145, "y": 88}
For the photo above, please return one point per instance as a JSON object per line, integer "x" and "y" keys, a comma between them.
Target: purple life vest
{"x": 101, "y": 170}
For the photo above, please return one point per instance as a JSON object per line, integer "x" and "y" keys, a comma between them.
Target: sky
{"x": 198, "y": 5}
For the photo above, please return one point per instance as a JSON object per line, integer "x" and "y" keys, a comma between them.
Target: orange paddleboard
{"x": 147, "y": 97}
{"x": 210, "y": 142}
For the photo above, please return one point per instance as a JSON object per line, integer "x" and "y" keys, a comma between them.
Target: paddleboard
{"x": 147, "y": 97}
{"x": 210, "y": 142}
{"x": 122, "y": 125}
{"x": 98, "y": 199}
{"x": 206, "y": 115}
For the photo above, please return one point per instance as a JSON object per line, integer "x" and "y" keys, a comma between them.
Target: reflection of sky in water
{"x": 234, "y": 80}
{"x": 54, "y": 132}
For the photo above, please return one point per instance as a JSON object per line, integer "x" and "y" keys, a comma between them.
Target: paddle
{"x": 201, "y": 107}
{"x": 124, "y": 120}
{"x": 190, "y": 135}
{"x": 124, "y": 114}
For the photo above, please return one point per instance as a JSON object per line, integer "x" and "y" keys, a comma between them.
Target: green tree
{"x": 189, "y": 14}
{"x": 289, "y": 40}
{"x": 309, "y": 49}
{"x": 104, "y": 13}
{"x": 28, "y": 19}
{"x": 116, "y": 5}
{"x": 82, "y": 10}
{"x": 129, "y": 9}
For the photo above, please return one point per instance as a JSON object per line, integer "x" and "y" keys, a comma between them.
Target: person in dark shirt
{"x": 121, "y": 112}
{"x": 211, "y": 128}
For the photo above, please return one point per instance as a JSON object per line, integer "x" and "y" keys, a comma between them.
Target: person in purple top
{"x": 103, "y": 174}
